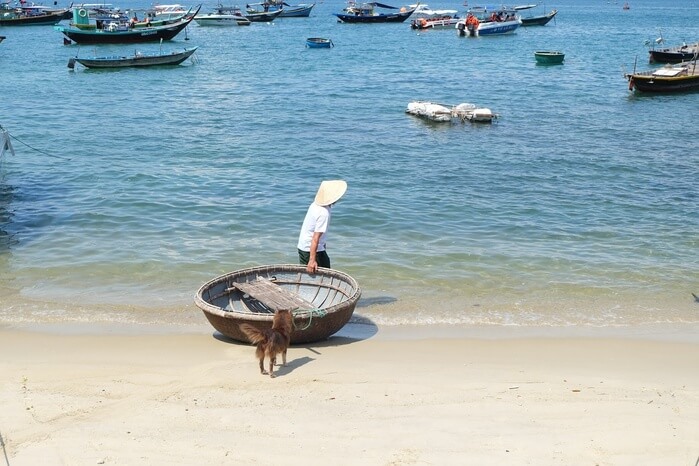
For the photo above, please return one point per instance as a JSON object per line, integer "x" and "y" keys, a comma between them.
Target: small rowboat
{"x": 549, "y": 58}
{"x": 318, "y": 43}
{"x": 321, "y": 303}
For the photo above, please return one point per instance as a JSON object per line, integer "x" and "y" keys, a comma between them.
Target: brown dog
{"x": 272, "y": 341}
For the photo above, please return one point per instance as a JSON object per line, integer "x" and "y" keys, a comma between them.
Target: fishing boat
{"x": 321, "y": 303}
{"x": 549, "y": 58}
{"x": 677, "y": 54}
{"x": 2, "y": 38}
{"x": 301, "y": 10}
{"x": 368, "y": 13}
{"x": 482, "y": 21}
{"x": 319, "y": 43}
{"x": 443, "y": 113}
{"x": 31, "y": 15}
{"x": 257, "y": 16}
{"x": 137, "y": 60}
{"x": 678, "y": 77}
{"x": 223, "y": 16}
{"x": 540, "y": 20}
{"x": 120, "y": 32}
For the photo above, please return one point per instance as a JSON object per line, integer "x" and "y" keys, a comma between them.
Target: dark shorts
{"x": 321, "y": 257}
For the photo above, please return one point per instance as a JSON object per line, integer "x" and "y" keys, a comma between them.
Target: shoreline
{"x": 365, "y": 329}
{"x": 194, "y": 399}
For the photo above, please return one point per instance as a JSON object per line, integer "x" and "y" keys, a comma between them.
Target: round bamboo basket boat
{"x": 321, "y": 303}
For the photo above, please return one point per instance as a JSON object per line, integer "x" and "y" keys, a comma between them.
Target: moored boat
{"x": 321, "y": 303}
{"x": 223, "y": 16}
{"x": 677, "y": 54}
{"x": 540, "y": 20}
{"x": 29, "y": 15}
{"x": 319, "y": 43}
{"x": 670, "y": 78}
{"x": 549, "y": 58}
{"x": 439, "y": 22}
{"x": 137, "y": 60}
{"x": 446, "y": 113}
{"x": 2, "y": 38}
{"x": 121, "y": 32}
{"x": 301, "y": 10}
{"x": 422, "y": 10}
{"x": 482, "y": 21}
{"x": 368, "y": 13}
{"x": 262, "y": 16}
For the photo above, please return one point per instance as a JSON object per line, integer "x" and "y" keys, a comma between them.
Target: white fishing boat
{"x": 424, "y": 11}
{"x": 446, "y": 113}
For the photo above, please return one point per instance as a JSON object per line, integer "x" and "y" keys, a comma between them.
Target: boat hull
{"x": 222, "y": 20}
{"x": 297, "y": 11}
{"x": 36, "y": 20}
{"x": 137, "y": 61}
{"x": 549, "y": 58}
{"x": 671, "y": 78}
{"x": 333, "y": 295}
{"x": 539, "y": 20}
{"x": 263, "y": 17}
{"x": 318, "y": 43}
{"x": 674, "y": 54}
{"x": 654, "y": 84}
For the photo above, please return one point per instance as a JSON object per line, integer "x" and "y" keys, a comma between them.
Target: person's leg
{"x": 304, "y": 257}
{"x": 323, "y": 259}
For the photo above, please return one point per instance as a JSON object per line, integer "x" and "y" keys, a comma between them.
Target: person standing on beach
{"x": 311, "y": 245}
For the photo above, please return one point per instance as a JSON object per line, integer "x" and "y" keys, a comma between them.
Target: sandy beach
{"x": 391, "y": 399}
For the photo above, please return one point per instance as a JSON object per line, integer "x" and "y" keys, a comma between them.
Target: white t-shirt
{"x": 317, "y": 220}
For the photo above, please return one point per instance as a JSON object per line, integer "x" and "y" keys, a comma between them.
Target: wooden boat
{"x": 29, "y": 15}
{"x": 367, "y": 13}
{"x": 541, "y": 20}
{"x": 137, "y": 60}
{"x": 319, "y": 43}
{"x": 262, "y": 16}
{"x": 670, "y": 78}
{"x": 302, "y": 10}
{"x": 119, "y": 32}
{"x": 223, "y": 16}
{"x": 677, "y": 54}
{"x": 549, "y": 58}
{"x": 321, "y": 303}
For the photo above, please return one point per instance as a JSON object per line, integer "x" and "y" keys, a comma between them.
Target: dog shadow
{"x": 291, "y": 365}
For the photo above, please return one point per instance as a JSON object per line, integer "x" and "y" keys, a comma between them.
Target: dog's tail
{"x": 254, "y": 334}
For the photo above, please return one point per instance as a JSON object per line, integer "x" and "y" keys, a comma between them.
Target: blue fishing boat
{"x": 368, "y": 13}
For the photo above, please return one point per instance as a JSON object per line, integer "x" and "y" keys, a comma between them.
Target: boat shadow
{"x": 357, "y": 329}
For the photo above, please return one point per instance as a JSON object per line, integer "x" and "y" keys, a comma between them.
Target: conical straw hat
{"x": 330, "y": 192}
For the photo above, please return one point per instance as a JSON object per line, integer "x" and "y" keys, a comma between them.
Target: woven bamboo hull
{"x": 333, "y": 294}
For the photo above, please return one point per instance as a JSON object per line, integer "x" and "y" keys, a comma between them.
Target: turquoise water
{"x": 131, "y": 188}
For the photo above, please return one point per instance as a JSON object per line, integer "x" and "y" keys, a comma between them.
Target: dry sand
{"x": 183, "y": 399}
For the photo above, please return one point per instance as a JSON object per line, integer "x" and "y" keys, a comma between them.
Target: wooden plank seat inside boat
{"x": 271, "y": 296}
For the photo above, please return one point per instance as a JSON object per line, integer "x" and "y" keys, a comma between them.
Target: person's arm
{"x": 312, "y": 266}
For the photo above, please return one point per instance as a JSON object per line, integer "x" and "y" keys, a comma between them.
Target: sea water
{"x": 578, "y": 207}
